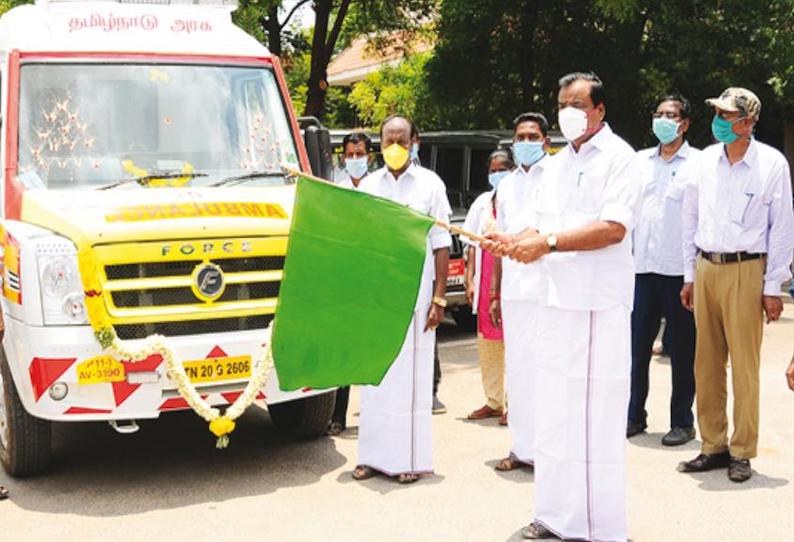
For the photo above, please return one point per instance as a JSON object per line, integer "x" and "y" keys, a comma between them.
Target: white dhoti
{"x": 394, "y": 435}
{"x": 519, "y": 319}
{"x": 580, "y": 441}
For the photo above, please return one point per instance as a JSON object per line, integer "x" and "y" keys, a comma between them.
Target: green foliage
{"x": 5, "y": 5}
{"x": 393, "y": 89}
{"x": 495, "y": 59}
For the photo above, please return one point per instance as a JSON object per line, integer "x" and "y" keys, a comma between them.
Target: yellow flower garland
{"x": 220, "y": 425}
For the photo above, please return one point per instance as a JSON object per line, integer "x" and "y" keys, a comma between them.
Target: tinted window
{"x": 424, "y": 155}
{"x": 449, "y": 166}
{"x": 478, "y": 171}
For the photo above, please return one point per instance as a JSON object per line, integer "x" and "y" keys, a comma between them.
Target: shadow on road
{"x": 717, "y": 480}
{"x": 384, "y": 485}
{"x": 171, "y": 462}
{"x": 654, "y": 441}
{"x": 521, "y": 475}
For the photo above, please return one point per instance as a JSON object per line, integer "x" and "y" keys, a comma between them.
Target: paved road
{"x": 168, "y": 481}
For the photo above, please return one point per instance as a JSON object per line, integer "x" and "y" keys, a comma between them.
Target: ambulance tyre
{"x": 25, "y": 442}
{"x": 304, "y": 418}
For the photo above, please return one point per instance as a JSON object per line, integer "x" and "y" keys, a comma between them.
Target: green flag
{"x": 351, "y": 278}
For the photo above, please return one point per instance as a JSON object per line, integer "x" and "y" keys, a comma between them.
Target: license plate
{"x": 455, "y": 281}
{"x": 100, "y": 369}
{"x": 218, "y": 369}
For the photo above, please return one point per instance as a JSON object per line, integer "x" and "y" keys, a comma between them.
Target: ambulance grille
{"x": 196, "y": 327}
{"x": 185, "y": 267}
{"x": 146, "y": 295}
{"x": 185, "y": 296}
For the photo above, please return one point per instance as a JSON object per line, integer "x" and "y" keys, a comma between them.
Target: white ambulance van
{"x": 152, "y": 135}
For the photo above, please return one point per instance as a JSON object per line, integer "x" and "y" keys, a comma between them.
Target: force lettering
{"x": 196, "y": 210}
{"x": 207, "y": 248}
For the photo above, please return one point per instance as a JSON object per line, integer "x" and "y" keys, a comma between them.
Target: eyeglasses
{"x": 667, "y": 115}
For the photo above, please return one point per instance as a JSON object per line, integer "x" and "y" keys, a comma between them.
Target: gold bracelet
{"x": 440, "y": 301}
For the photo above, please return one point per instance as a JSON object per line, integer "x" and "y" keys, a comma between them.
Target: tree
{"x": 642, "y": 49}
{"x": 378, "y": 17}
{"x": 5, "y": 5}
{"x": 267, "y": 21}
{"x": 394, "y": 89}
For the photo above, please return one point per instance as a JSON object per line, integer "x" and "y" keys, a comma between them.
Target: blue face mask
{"x": 528, "y": 152}
{"x": 723, "y": 130}
{"x": 496, "y": 177}
{"x": 414, "y": 156}
{"x": 665, "y": 130}
{"x": 356, "y": 167}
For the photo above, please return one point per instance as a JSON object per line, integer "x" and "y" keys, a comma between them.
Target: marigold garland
{"x": 220, "y": 425}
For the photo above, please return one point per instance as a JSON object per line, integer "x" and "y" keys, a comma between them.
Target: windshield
{"x": 89, "y": 125}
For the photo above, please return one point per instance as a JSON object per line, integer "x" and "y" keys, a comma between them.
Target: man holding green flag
{"x": 395, "y": 424}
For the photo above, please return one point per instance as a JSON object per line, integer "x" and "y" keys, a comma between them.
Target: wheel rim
{"x": 4, "y": 421}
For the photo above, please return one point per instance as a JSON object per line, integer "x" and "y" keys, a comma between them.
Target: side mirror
{"x": 318, "y": 147}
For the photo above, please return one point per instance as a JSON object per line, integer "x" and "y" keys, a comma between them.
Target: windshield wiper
{"x": 145, "y": 179}
{"x": 246, "y": 176}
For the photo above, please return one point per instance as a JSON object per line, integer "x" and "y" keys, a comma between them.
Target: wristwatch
{"x": 551, "y": 241}
{"x": 440, "y": 301}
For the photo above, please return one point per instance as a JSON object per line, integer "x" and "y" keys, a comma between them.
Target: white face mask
{"x": 573, "y": 123}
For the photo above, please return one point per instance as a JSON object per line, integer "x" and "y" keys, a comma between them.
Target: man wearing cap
{"x": 738, "y": 237}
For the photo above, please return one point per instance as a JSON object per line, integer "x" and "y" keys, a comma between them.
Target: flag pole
{"x": 440, "y": 223}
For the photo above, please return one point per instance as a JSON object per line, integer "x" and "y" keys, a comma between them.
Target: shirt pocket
{"x": 675, "y": 190}
{"x": 739, "y": 207}
{"x": 588, "y": 193}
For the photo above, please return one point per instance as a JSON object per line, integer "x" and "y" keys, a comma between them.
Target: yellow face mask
{"x": 395, "y": 156}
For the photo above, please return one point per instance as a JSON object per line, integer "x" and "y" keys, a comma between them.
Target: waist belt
{"x": 730, "y": 257}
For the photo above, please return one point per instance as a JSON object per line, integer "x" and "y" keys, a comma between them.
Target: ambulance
{"x": 151, "y": 135}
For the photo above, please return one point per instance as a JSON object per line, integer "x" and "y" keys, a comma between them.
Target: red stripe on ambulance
{"x": 45, "y": 371}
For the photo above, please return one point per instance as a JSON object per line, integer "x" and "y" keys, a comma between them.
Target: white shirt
{"x": 744, "y": 207}
{"x": 518, "y": 204}
{"x": 346, "y": 181}
{"x": 657, "y": 235}
{"x": 476, "y": 222}
{"x": 422, "y": 190}
{"x": 596, "y": 184}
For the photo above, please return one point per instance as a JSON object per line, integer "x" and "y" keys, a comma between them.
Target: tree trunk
{"x": 273, "y": 29}
{"x": 323, "y": 45}
{"x": 315, "y": 96}
{"x": 529, "y": 21}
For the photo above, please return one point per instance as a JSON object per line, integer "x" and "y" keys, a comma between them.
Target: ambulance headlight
{"x": 56, "y": 276}
{"x": 74, "y": 307}
{"x": 62, "y": 299}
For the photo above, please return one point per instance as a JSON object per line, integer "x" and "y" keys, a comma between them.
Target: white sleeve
{"x": 622, "y": 192}
{"x": 472, "y": 222}
{"x": 781, "y": 231}
{"x": 440, "y": 210}
{"x": 689, "y": 222}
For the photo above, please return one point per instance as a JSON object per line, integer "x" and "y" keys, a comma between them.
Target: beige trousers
{"x": 729, "y": 321}
{"x": 492, "y": 367}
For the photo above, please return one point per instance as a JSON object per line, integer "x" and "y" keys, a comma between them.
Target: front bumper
{"x": 42, "y": 356}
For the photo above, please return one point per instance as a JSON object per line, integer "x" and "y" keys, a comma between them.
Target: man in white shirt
{"x": 395, "y": 425}
{"x": 357, "y": 157}
{"x": 659, "y": 267}
{"x": 515, "y": 286}
{"x": 589, "y": 204}
{"x": 738, "y": 240}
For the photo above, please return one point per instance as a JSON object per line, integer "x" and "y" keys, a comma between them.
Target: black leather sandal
{"x": 363, "y": 472}
{"x": 536, "y": 531}
{"x": 3, "y": 493}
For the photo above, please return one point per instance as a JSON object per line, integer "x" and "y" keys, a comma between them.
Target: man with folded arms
{"x": 738, "y": 237}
